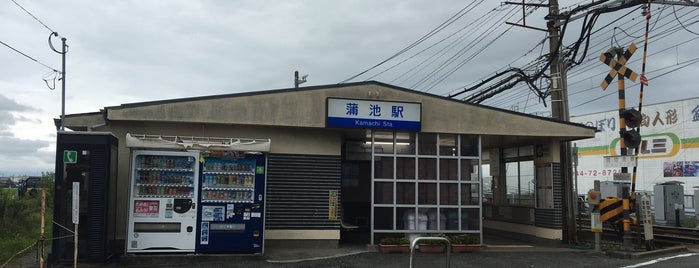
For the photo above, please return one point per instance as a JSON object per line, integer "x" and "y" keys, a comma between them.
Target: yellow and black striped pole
{"x": 644, "y": 81}
{"x": 623, "y": 150}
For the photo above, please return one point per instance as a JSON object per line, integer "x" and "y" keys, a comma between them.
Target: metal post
{"x": 627, "y": 239}
{"x": 647, "y": 222}
{"x": 623, "y": 151}
{"x": 42, "y": 237}
{"x": 438, "y": 239}
{"x": 63, "y": 83}
{"x": 598, "y": 235}
{"x": 296, "y": 79}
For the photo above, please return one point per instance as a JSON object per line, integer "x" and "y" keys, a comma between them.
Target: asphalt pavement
{"x": 495, "y": 253}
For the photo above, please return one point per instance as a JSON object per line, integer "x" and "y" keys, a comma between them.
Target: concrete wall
{"x": 307, "y": 108}
{"x": 284, "y": 140}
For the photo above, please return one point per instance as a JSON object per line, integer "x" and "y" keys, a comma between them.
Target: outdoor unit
{"x": 668, "y": 197}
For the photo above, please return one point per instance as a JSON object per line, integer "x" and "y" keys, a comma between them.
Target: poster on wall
{"x": 669, "y": 150}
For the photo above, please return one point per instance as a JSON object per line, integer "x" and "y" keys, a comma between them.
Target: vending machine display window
{"x": 163, "y": 201}
{"x": 232, "y": 203}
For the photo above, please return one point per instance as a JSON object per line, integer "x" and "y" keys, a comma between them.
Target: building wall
{"x": 285, "y": 140}
{"x": 669, "y": 150}
{"x": 307, "y": 108}
{"x": 294, "y": 120}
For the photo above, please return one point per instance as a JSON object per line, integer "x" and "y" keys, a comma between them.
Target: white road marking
{"x": 660, "y": 260}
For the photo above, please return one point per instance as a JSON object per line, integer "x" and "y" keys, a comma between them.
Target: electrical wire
{"x": 659, "y": 37}
{"x": 678, "y": 20}
{"x": 27, "y": 56}
{"x": 590, "y": 60}
{"x": 681, "y": 65}
{"x": 32, "y": 15}
{"x": 439, "y": 28}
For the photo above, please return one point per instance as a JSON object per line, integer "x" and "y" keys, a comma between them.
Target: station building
{"x": 398, "y": 161}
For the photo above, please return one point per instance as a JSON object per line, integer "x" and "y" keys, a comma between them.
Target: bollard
{"x": 442, "y": 239}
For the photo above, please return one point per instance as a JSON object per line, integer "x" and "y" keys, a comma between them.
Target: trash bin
{"x": 409, "y": 220}
{"x": 432, "y": 220}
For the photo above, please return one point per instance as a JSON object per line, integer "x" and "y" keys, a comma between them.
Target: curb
{"x": 643, "y": 254}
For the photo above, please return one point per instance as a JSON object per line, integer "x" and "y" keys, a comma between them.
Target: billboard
{"x": 669, "y": 149}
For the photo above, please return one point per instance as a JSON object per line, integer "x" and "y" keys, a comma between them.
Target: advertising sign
{"x": 669, "y": 150}
{"x": 146, "y": 208}
{"x": 373, "y": 114}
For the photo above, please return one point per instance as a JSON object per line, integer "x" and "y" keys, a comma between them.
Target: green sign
{"x": 260, "y": 170}
{"x": 70, "y": 157}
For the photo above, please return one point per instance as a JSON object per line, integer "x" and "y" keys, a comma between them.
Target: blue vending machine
{"x": 231, "y": 217}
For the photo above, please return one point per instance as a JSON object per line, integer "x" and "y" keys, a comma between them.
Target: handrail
{"x": 427, "y": 238}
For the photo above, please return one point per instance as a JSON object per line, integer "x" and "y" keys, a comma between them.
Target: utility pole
{"x": 559, "y": 107}
{"x": 64, "y": 50}
{"x": 559, "y": 110}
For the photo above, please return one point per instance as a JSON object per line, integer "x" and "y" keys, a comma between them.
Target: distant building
{"x": 669, "y": 150}
{"x": 7, "y": 182}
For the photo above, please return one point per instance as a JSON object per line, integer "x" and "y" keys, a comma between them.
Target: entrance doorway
{"x": 355, "y": 192}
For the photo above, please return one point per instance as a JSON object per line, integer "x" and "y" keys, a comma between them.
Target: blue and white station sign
{"x": 373, "y": 114}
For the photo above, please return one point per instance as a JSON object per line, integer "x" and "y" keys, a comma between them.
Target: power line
{"x": 442, "y": 26}
{"x": 588, "y": 63}
{"x": 678, "y": 20}
{"x": 27, "y": 56}
{"x": 30, "y": 14}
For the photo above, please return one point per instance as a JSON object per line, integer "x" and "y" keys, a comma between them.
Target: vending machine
{"x": 231, "y": 218}
{"x": 163, "y": 201}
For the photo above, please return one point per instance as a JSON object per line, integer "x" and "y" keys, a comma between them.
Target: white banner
{"x": 669, "y": 150}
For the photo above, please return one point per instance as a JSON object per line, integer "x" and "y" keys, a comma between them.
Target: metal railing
{"x": 437, "y": 239}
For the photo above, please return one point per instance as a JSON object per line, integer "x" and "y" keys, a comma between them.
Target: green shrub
{"x": 468, "y": 239}
{"x": 394, "y": 241}
{"x": 20, "y": 219}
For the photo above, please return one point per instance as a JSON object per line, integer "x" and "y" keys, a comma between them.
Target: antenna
{"x": 297, "y": 82}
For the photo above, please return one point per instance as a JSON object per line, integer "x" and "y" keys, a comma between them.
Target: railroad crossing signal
{"x": 618, "y": 66}
{"x": 632, "y": 119}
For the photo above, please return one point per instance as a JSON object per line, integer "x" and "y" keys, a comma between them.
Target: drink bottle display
{"x": 162, "y": 205}
{"x": 232, "y": 203}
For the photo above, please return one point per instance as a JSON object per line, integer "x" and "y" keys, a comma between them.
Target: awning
{"x": 197, "y": 143}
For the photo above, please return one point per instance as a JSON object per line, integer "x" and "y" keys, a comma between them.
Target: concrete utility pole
{"x": 559, "y": 110}
{"x": 559, "y": 107}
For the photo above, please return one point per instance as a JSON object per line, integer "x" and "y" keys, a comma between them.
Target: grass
{"x": 20, "y": 221}
{"x": 690, "y": 222}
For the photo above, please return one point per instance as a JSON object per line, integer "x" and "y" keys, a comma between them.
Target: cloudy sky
{"x": 133, "y": 51}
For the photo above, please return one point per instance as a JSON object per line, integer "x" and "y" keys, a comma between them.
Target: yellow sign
{"x": 332, "y": 204}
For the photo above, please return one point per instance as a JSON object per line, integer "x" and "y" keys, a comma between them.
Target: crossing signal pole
{"x": 627, "y": 138}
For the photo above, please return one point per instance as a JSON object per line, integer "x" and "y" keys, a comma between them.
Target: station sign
{"x": 617, "y": 161}
{"x": 373, "y": 114}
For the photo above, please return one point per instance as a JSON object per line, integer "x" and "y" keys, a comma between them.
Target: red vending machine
{"x": 163, "y": 201}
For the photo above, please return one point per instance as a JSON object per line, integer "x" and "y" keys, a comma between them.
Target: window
{"x": 544, "y": 186}
{"x": 519, "y": 174}
{"x": 429, "y": 183}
